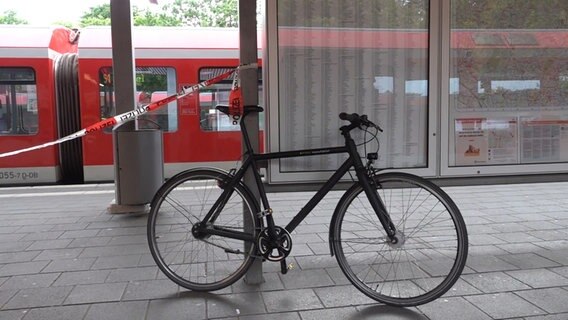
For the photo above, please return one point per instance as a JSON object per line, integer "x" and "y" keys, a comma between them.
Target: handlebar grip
{"x": 351, "y": 117}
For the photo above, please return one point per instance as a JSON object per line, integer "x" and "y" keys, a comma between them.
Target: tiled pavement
{"x": 63, "y": 257}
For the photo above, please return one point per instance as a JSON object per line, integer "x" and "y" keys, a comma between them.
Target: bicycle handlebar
{"x": 358, "y": 120}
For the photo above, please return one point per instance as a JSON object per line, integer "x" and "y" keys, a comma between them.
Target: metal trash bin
{"x": 139, "y": 163}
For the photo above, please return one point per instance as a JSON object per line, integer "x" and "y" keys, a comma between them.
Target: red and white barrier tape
{"x": 131, "y": 115}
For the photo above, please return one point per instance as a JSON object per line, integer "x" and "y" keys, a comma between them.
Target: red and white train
{"x": 56, "y": 81}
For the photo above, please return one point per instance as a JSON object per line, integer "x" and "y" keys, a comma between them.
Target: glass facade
{"x": 460, "y": 87}
{"x": 369, "y": 57}
{"x": 508, "y": 99}
{"x": 18, "y": 102}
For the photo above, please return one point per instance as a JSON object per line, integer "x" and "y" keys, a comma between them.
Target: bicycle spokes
{"x": 431, "y": 245}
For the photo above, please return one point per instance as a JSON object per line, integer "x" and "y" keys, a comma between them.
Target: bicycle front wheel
{"x": 197, "y": 261}
{"x": 432, "y": 241}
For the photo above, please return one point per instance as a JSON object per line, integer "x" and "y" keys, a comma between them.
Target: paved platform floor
{"x": 63, "y": 257}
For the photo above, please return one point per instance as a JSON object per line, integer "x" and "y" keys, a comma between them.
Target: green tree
{"x": 204, "y": 13}
{"x": 11, "y": 17}
{"x": 195, "y": 13}
{"x": 147, "y": 18}
{"x": 96, "y": 16}
{"x": 100, "y": 16}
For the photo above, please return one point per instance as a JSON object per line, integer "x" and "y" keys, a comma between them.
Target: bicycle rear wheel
{"x": 205, "y": 262}
{"x": 432, "y": 241}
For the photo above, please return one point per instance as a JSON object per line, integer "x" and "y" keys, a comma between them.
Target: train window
{"x": 508, "y": 98}
{"x": 152, "y": 84}
{"x": 18, "y": 102}
{"x": 213, "y": 95}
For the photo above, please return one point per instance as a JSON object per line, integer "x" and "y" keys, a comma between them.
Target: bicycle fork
{"x": 368, "y": 185}
{"x": 378, "y": 206}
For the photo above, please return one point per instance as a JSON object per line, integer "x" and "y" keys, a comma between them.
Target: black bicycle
{"x": 398, "y": 238}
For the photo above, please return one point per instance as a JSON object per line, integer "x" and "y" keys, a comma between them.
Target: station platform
{"x": 62, "y": 256}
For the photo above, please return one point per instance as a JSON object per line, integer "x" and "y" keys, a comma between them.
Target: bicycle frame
{"x": 251, "y": 161}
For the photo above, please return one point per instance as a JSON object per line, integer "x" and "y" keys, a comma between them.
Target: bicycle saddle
{"x": 246, "y": 109}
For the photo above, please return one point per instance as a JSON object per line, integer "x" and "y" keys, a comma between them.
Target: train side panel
{"x": 185, "y": 142}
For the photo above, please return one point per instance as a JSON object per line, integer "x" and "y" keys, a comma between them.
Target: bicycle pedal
{"x": 290, "y": 266}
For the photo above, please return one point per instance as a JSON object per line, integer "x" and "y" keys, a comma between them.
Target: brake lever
{"x": 369, "y": 123}
{"x": 365, "y": 121}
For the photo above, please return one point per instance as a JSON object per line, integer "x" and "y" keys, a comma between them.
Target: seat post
{"x": 254, "y": 166}
{"x": 246, "y": 138}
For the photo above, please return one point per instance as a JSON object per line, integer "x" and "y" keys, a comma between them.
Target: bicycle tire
{"x": 200, "y": 264}
{"x": 432, "y": 248}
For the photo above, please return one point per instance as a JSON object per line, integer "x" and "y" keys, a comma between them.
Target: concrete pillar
{"x": 124, "y": 80}
{"x": 249, "y": 87}
{"x": 124, "y": 75}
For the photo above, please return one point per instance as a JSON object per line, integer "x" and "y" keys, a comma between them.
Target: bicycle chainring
{"x": 274, "y": 249}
